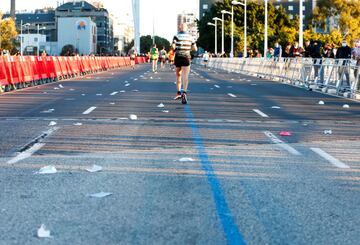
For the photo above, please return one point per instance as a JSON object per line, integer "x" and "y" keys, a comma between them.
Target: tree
{"x": 280, "y": 27}
{"x": 7, "y": 33}
{"x": 146, "y": 42}
{"x": 345, "y": 15}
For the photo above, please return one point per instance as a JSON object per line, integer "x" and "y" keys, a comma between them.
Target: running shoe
{"x": 184, "y": 98}
{"x": 178, "y": 96}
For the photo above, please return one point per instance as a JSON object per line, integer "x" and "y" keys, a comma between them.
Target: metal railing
{"x": 334, "y": 76}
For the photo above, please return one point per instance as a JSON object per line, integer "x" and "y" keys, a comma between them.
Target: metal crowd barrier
{"x": 333, "y": 76}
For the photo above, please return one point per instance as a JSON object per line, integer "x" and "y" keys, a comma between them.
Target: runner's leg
{"x": 178, "y": 78}
{"x": 185, "y": 77}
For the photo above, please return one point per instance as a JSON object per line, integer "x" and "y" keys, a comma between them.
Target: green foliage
{"x": 345, "y": 14}
{"x": 7, "y": 33}
{"x": 147, "y": 41}
{"x": 280, "y": 27}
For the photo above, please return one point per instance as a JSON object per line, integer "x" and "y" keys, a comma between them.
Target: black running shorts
{"x": 181, "y": 61}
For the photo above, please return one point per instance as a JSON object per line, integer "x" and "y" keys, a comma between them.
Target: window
{"x": 36, "y": 39}
{"x": 205, "y": 6}
{"x": 291, "y": 7}
{"x": 291, "y": 16}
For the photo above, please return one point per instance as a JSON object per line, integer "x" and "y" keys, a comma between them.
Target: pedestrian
{"x": 162, "y": 58}
{"x": 307, "y": 49}
{"x": 206, "y": 58}
{"x": 277, "y": 51}
{"x": 183, "y": 44}
{"x": 328, "y": 51}
{"x": 315, "y": 53}
{"x": 356, "y": 57}
{"x": 344, "y": 54}
{"x": 296, "y": 50}
{"x": 171, "y": 56}
{"x": 132, "y": 54}
{"x": 154, "y": 56}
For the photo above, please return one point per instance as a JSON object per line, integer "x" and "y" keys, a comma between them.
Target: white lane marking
{"x": 281, "y": 143}
{"x": 114, "y": 93}
{"x": 216, "y": 86}
{"x": 260, "y": 113}
{"x": 329, "y": 158}
{"x": 88, "y": 111}
{"x": 232, "y": 95}
{"x": 26, "y": 154}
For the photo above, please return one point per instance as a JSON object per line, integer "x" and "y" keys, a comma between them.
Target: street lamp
{"x": 301, "y": 28}
{"x": 266, "y": 29}
{"x": 212, "y": 24}
{"x": 223, "y": 12}
{"x": 38, "y": 38}
{"x": 216, "y": 20}
{"x": 245, "y": 26}
{"x": 21, "y": 36}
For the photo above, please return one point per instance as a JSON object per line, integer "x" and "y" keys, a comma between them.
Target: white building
{"x": 79, "y": 32}
{"x": 190, "y": 20}
{"x": 31, "y": 42}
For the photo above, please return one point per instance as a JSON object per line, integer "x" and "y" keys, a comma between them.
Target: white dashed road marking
{"x": 260, "y": 113}
{"x": 329, "y": 158}
{"x": 88, "y": 111}
{"x": 281, "y": 144}
{"x": 114, "y": 93}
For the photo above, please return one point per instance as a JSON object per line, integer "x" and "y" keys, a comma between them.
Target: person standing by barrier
{"x": 296, "y": 50}
{"x": 344, "y": 53}
{"x": 183, "y": 44}
{"x": 328, "y": 51}
{"x": 315, "y": 53}
{"x": 154, "y": 56}
{"x": 277, "y": 51}
{"x": 356, "y": 56}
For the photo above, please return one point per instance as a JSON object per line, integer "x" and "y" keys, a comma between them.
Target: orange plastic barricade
{"x": 74, "y": 65}
{"x": 4, "y": 78}
{"x": 127, "y": 61}
{"x": 15, "y": 69}
{"x": 26, "y": 71}
{"x": 50, "y": 67}
{"x": 34, "y": 69}
{"x": 41, "y": 65}
{"x": 62, "y": 64}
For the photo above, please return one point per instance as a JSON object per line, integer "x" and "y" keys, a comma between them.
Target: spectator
{"x": 356, "y": 56}
{"x": 277, "y": 51}
{"x": 296, "y": 50}
{"x": 270, "y": 53}
{"x": 344, "y": 53}
{"x": 328, "y": 51}
{"x": 315, "y": 53}
{"x": 307, "y": 49}
{"x": 287, "y": 51}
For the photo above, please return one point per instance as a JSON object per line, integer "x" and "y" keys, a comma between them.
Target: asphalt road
{"x": 242, "y": 183}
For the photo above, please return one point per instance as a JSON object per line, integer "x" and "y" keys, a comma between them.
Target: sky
{"x": 164, "y": 12}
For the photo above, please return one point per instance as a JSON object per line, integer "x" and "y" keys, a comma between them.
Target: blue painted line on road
{"x": 231, "y": 230}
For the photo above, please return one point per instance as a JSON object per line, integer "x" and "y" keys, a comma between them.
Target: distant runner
{"x": 206, "y": 58}
{"x": 154, "y": 56}
{"x": 183, "y": 44}
{"x": 132, "y": 54}
{"x": 162, "y": 58}
{"x": 171, "y": 56}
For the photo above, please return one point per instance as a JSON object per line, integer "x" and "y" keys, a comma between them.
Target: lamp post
{"x": 245, "y": 26}
{"x": 223, "y": 12}
{"x": 301, "y": 28}
{"x": 216, "y": 20}
{"x": 212, "y": 24}
{"x": 38, "y": 40}
{"x": 266, "y": 29}
{"x": 21, "y": 36}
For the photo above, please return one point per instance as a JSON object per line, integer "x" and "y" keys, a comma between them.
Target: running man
{"x": 206, "y": 58}
{"x": 132, "y": 54}
{"x": 154, "y": 56}
{"x": 183, "y": 44}
{"x": 171, "y": 56}
{"x": 162, "y": 58}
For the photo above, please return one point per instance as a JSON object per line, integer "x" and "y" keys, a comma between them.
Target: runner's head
{"x": 183, "y": 27}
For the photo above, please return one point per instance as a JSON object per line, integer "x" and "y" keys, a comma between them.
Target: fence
{"x": 23, "y": 71}
{"x": 333, "y": 76}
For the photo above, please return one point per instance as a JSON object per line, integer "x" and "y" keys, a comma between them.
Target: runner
{"x": 171, "y": 56}
{"x": 206, "y": 58}
{"x": 132, "y": 54}
{"x": 154, "y": 56}
{"x": 183, "y": 44}
{"x": 162, "y": 58}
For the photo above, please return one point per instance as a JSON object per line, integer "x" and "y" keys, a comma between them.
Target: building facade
{"x": 98, "y": 14}
{"x": 79, "y": 32}
{"x": 190, "y": 20}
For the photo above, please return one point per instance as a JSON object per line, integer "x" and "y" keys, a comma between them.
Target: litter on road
{"x": 346, "y": 106}
{"x": 161, "y": 105}
{"x": 42, "y": 232}
{"x": 328, "y": 132}
{"x": 165, "y": 111}
{"x": 321, "y": 102}
{"x": 285, "y": 133}
{"x": 101, "y": 194}
{"x": 186, "y": 159}
{"x": 275, "y": 107}
{"x": 47, "y": 170}
{"x": 52, "y": 123}
{"x": 133, "y": 117}
{"x": 94, "y": 169}
{"x": 78, "y": 124}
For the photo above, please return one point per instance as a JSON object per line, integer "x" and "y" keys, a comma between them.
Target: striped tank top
{"x": 183, "y": 41}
